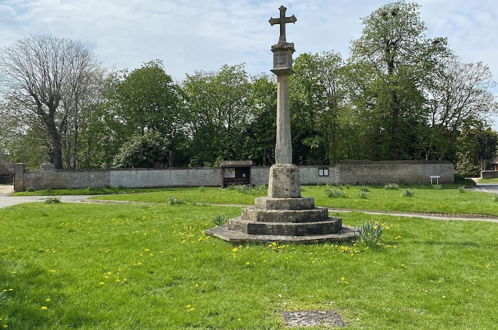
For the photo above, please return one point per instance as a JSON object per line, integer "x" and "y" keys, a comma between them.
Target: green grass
{"x": 150, "y": 266}
{"x": 86, "y": 191}
{"x": 495, "y": 180}
{"x": 426, "y": 198}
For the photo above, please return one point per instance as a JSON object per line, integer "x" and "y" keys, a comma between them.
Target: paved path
{"x": 487, "y": 187}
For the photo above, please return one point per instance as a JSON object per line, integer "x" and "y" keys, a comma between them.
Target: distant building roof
{"x": 236, "y": 163}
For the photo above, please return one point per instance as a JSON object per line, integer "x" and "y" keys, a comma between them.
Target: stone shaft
{"x": 283, "y": 147}
{"x": 284, "y": 181}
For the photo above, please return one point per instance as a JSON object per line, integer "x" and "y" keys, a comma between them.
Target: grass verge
{"x": 150, "y": 266}
{"x": 426, "y": 198}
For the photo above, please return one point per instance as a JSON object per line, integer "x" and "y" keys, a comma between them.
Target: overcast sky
{"x": 193, "y": 35}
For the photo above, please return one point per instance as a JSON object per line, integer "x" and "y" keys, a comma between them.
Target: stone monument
{"x": 284, "y": 215}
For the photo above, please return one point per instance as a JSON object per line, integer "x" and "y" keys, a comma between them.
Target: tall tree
{"x": 317, "y": 101}
{"x": 134, "y": 104}
{"x": 394, "y": 44}
{"x": 47, "y": 77}
{"x": 458, "y": 93}
{"x": 218, "y": 113}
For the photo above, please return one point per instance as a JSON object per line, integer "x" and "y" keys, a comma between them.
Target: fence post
{"x": 19, "y": 177}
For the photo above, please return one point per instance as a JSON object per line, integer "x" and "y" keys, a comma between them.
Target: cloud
{"x": 192, "y": 35}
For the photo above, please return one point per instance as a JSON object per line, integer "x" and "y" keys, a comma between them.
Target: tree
{"x": 394, "y": 45}
{"x": 458, "y": 94}
{"x": 260, "y": 132}
{"x": 136, "y": 103}
{"x": 317, "y": 102}
{"x": 47, "y": 77}
{"x": 477, "y": 146}
{"x": 143, "y": 151}
{"x": 218, "y": 113}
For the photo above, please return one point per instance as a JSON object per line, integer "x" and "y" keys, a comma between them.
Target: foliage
{"x": 461, "y": 180}
{"x": 408, "y": 193}
{"x": 175, "y": 201}
{"x": 363, "y": 194}
{"x": 334, "y": 192}
{"x": 219, "y": 220}
{"x": 461, "y": 189}
{"x": 143, "y": 151}
{"x": 50, "y": 81}
{"x": 218, "y": 114}
{"x": 370, "y": 233}
{"x": 52, "y": 200}
{"x": 476, "y": 148}
{"x": 391, "y": 186}
{"x": 364, "y": 188}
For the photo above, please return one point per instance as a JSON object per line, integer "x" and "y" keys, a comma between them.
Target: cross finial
{"x": 282, "y": 20}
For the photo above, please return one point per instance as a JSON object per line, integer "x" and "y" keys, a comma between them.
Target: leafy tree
{"x": 317, "y": 102}
{"x": 477, "y": 146}
{"x": 394, "y": 45}
{"x": 260, "y": 133}
{"x": 143, "y": 101}
{"x": 218, "y": 113}
{"x": 143, "y": 151}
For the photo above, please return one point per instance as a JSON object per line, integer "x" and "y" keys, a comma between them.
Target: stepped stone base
{"x": 222, "y": 232}
{"x": 284, "y": 216}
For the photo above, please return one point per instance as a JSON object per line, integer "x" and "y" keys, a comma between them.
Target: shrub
{"x": 52, "y": 200}
{"x": 391, "y": 186}
{"x": 363, "y": 194}
{"x": 408, "y": 193}
{"x": 219, "y": 220}
{"x": 175, "y": 201}
{"x": 333, "y": 192}
{"x": 364, "y": 189}
{"x": 370, "y": 233}
{"x": 144, "y": 151}
{"x": 461, "y": 189}
{"x": 460, "y": 179}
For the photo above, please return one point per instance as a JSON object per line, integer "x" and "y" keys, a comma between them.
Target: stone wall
{"x": 489, "y": 174}
{"x": 369, "y": 172}
{"x": 352, "y": 172}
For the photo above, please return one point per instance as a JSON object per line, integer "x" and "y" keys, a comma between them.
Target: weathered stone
{"x": 284, "y": 181}
{"x": 224, "y": 233}
{"x": 330, "y": 226}
{"x": 307, "y": 215}
{"x": 300, "y": 203}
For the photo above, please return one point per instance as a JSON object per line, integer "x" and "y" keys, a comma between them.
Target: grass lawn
{"x": 150, "y": 266}
{"x": 495, "y": 180}
{"x": 426, "y": 198}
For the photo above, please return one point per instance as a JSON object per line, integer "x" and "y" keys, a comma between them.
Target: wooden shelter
{"x": 235, "y": 172}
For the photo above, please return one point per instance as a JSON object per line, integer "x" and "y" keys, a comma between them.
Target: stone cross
{"x": 282, "y": 20}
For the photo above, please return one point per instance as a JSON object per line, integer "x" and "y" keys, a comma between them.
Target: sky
{"x": 202, "y": 35}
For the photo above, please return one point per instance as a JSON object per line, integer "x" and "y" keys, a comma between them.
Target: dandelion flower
{"x": 44, "y": 308}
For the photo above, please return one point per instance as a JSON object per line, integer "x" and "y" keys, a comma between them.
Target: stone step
{"x": 329, "y": 226}
{"x": 298, "y": 203}
{"x": 222, "y": 232}
{"x": 261, "y": 215}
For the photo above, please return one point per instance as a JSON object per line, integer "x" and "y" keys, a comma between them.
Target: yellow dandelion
{"x": 44, "y": 308}
{"x": 235, "y": 249}
{"x": 5, "y": 326}
{"x": 48, "y": 299}
{"x": 101, "y": 283}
